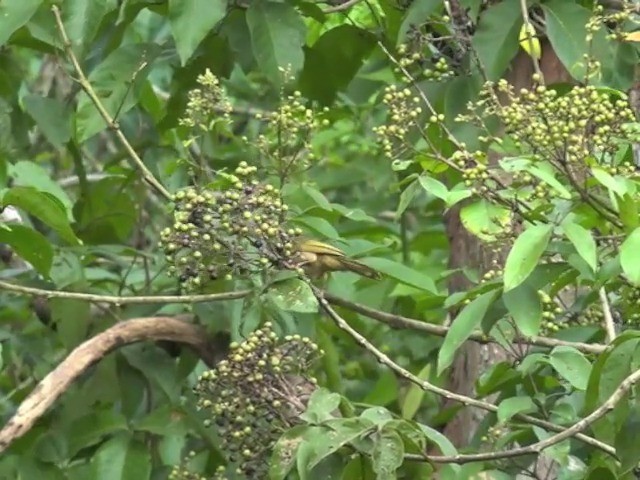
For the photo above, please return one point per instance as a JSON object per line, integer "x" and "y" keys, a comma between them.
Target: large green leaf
{"x": 14, "y": 14}
{"x": 496, "y": 38}
{"x": 82, "y": 18}
{"x": 583, "y": 242}
{"x": 191, "y": 21}
{"x": 465, "y": 323}
{"x": 572, "y": 365}
{"x": 51, "y": 116}
{"x": 30, "y": 174}
{"x": 43, "y": 205}
{"x": 387, "y": 455}
{"x": 525, "y": 307}
{"x": 277, "y": 36}
{"x": 524, "y": 256}
{"x": 294, "y": 295}
{"x": 28, "y": 245}
{"x": 341, "y": 51}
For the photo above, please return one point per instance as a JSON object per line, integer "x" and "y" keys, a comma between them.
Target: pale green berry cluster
{"x": 255, "y": 394}
{"x": 237, "y": 230}
{"x": 206, "y": 105}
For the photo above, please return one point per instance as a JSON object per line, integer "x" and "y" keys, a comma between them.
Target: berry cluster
{"x": 404, "y": 111}
{"x": 256, "y": 394}
{"x": 206, "y": 105}
{"x": 236, "y": 230}
{"x": 286, "y": 140}
{"x": 565, "y": 130}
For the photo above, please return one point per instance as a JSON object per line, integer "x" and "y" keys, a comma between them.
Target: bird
{"x": 317, "y": 258}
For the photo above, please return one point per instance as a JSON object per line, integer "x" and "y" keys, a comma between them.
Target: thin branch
{"x": 609, "y": 324}
{"x": 88, "y": 353}
{"x": 394, "y": 321}
{"x": 112, "y": 124}
{"x": 343, "y": 6}
{"x": 398, "y": 321}
{"x": 429, "y": 387}
{"x": 90, "y": 297}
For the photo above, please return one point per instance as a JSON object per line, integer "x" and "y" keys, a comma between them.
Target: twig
{"x": 463, "y": 399}
{"x": 112, "y": 124}
{"x": 398, "y": 321}
{"x": 85, "y": 355}
{"x": 343, "y": 6}
{"x": 609, "y": 325}
{"x": 90, "y": 297}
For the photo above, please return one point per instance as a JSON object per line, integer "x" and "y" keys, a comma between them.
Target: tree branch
{"x": 463, "y": 399}
{"x": 84, "y": 356}
{"x": 111, "y": 123}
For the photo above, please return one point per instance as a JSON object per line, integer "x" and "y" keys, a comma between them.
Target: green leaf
{"x": 107, "y": 214}
{"x": 191, "y": 21}
{"x": 614, "y": 184}
{"x": 387, "y": 455}
{"x": 464, "y": 325}
{"x": 525, "y": 253}
{"x": 413, "y": 399}
{"x": 417, "y": 14}
{"x": 402, "y": 273}
{"x": 342, "y": 51}
{"x": 484, "y": 219}
{"x": 583, "y": 242}
{"x": 13, "y": 15}
{"x": 525, "y": 307}
{"x": 566, "y": 29}
{"x": 117, "y": 82}
{"x": 277, "y": 36}
{"x": 123, "y": 458}
{"x": 434, "y": 187}
{"x": 29, "y": 245}
{"x": 284, "y": 452}
{"x": 407, "y": 196}
{"x": 293, "y": 295}
{"x": 51, "y": 116}
{"x": 82, "y": 19}
{"x": 47, "y": 208}
{"x": 321, "y": 406}
{"x": 29, "y": 174}
{"x": 513, "y": 405}
{"x": 629, "y": 258}
{"x": 496, "y": 37}
{"x": 319, "y": 226}
{"x": 332, "y": 436}
{"x": 628, "y": 212}
{"x": 572, "y": 365}
{"x": 318, "y": 198}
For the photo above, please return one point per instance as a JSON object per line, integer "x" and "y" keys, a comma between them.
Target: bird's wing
{"x": 314, "y": 246}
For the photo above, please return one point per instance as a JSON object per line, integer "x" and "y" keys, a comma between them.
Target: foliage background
{"x": 91, "y": 224}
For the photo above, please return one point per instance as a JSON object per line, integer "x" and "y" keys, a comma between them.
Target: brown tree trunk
{"x": 466, "y": 251}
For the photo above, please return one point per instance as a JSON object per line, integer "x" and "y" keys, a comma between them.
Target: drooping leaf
{"x": 277, "y": 36}
{"x": 513, "y": 405}
{"x": 465, "y": 323}
{"x": 29, "y": 245}
{"x": 525, "y": 253}
{"x": 524, "y": 305}
{"x": 43, "y": 205}
{"x": 51, "y": 116}
{"x": 191, "y": 21}
{"x": 583, "y": 242}
{"x": 14, "y": 15}
{"x": 572, "y": 365}
{"x": 387, "y": 455}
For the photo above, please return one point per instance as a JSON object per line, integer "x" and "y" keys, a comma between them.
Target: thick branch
{"x": 77, "y": 362}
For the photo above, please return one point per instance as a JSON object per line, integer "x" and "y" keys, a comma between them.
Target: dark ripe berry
{"x": 183, "y": 278}
{"x": 196, "y": 218}
{"x": 249, "y": 189}
{"x": 185, "y": 241}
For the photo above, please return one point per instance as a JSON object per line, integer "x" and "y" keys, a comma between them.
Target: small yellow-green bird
{"x": 317, "y": 258}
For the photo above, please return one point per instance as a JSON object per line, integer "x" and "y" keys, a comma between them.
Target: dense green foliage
{"x": 207, "y": 136}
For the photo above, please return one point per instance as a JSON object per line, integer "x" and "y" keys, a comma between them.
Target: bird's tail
{"x": 359, "y": 268}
